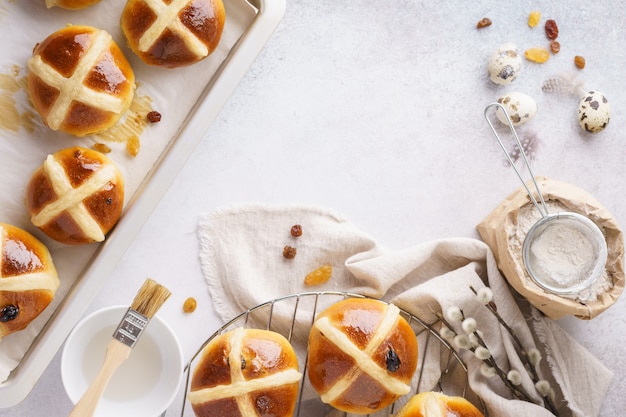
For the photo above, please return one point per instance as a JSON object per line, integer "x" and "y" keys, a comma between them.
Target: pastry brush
{"x": 147, "y": 302}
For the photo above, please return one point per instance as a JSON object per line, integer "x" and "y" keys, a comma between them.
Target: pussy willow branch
{"x": 517, "y": 391}
{"x": 491, "y": 306}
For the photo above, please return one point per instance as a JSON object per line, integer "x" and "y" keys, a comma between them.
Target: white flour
{"x": 566, "y": 252}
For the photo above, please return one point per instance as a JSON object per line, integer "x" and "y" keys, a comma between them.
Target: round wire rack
{"x": 440, "y": 367}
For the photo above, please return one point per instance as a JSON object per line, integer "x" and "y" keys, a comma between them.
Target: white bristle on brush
{"x": 147, "y": 302}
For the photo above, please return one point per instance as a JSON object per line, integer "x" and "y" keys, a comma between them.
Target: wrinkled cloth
{"x": 242, "y": 261}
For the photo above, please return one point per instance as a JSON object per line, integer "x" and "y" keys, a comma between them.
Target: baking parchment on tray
{"x": 188, "y": 99}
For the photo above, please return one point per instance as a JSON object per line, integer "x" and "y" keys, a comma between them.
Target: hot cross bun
{"x": 71, "y": 4}
{"x": 76, "y": 196}
{"x": 246, "y": 372}
{"x": 362, "y": 355}
{"x": 80, "y": 81}
{"x": 28, "y": 278}
{"x": 436, "y": 404}
{"x": 173, "y": 33}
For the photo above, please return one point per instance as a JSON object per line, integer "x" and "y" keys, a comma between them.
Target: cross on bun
{"x": 28, "y": 279}
{"x": 173, "y": 33}
{"x": 71, "y": 4}
{"x": 76, "y": 196}
{"x": 435, "y": 404}
{"x": 246, "y": 372}
{"x": 79, "y": 80}
{"x": 362, "y": 355}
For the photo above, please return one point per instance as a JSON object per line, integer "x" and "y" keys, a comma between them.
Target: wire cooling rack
{"x": 440, "y": 367}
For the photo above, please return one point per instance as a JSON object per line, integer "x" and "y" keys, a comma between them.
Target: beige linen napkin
{"x": 241, "y": 257}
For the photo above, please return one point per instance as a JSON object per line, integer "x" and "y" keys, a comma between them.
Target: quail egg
{"x": 520, "y": 107}
{"x": 594, "y": 112}
{"x": 505, "y": 64}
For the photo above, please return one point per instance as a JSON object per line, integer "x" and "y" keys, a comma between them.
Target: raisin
{"x": 8, "y": 313}
{"x": 154, "y": 117}
{"x": 483, "y": 23}
{"x": 319, "y": 275}
{"x": 579, "y": 61}
{"x": 539, "y": 55}
{"x": 289, "y": 252}
{"x": 555, "y": 47}
{"x": 552, "y": 30}
{"x": 534, "y": 18}
{"x": 296, "y": 230}
{"x": 392, "y": 360}
{"x": 243, "y": 363}
{"x": 133, "y": 145}
{"x": 189, "y": 306}
{"x": 102, "y": 148}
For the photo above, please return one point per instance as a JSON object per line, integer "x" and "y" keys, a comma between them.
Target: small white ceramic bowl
{"x": 144, "y": 385}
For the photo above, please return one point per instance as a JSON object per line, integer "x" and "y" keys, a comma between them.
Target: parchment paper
{"x": 495, "y": 231}
{"x": 24, "y": 145}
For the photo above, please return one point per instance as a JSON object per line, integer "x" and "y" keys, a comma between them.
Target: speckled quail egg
{"x": 520, "y": 107}
{"x": 505, "y": 64}
{"x": 594, "y": 112}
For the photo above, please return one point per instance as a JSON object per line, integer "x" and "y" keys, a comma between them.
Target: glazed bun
{"x": 28, "y": 279}
{"x": 246, "y": 372}
{"x": 71, "y": 4}
{"x": 435, "y": 404}
{"x": 362, "y": 355}
{"x": 76, "y": 196}
{"x": 79, "y": 80}
{"x": 173, "y": 33}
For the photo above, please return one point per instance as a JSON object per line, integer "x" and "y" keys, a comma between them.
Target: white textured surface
{"x": 374, "y": 110}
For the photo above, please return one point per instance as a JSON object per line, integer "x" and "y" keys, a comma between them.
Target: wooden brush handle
{"x": 116, "y": 353}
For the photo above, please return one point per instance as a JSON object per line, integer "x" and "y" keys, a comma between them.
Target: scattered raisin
{"x": 483, "y": 23}
{"x": 289, "y": 252}
{"x": 538, "y": 54}
{"x": 296, "y": 230}
{"x": 102, "y": 148}
{"x": 8, "y": 313}
{"x": 133, "y": 145}
{"x": 392, "y": 360}
{"x": 243, "y": 363}
{"x": 189, "y": 306}
{"x": 552, "y": 30}
{"x": 534, "y": 18}
{"x": 579, "y": 61}
{"x": 319, "y": 275}
{"x": 154, "y": 117}
{"x": 555, "y": 47}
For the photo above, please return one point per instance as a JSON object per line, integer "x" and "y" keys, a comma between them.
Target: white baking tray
{"x": 151, "y": 184}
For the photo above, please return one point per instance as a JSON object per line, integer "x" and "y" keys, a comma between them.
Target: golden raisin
{"x": 538, "y": 54}
{"x": 296, "y": 230}
{"x": 555, "y": 47}
{"x": 552, "y": 30}
{"x": 579, "y": 61}
{"x": 319, "y": 275}
{"x": 289, "y": 252}
{"x": 133, "y": 145}
{"x": 534, "y": 18}
{"x": 102, "y": 147}
{"x": 483, "y": 23}
{"x": 190, "y": 305}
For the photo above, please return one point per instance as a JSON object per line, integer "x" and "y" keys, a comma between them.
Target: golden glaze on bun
{"x": 173, "y": 33}
{"x": 80, "y": 81}
{"x": 28, "y": 279}
{"x": 246, "y": 372}
{"x": 362, "y": 355}
{"x": 435, "y": 404}
{"x": 71, "y": 4}
{"x": 76, "y": 196}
